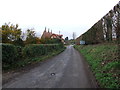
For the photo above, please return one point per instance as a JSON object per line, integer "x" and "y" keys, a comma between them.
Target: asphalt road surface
{"x": 66, "y": 70}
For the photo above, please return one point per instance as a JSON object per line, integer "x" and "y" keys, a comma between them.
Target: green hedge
{"x": 34, "y": 50}
{"x": 9, "y": 54}
{"x": 12, "y": 54}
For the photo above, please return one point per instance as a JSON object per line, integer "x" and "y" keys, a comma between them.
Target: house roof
{"x": 49, "y": 34}
{"x": 46, "y": 34}
{"x": 56, "y": 34}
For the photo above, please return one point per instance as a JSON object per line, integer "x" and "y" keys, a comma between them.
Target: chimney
{"x": 45, "y": 29}
{"x": 51, "y": 31}
{"x": 48, "y": 30}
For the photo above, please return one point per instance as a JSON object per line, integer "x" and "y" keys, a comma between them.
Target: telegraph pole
{"x": 59, "y": 32}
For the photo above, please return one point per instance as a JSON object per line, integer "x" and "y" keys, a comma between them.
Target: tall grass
{"x": 104, "y": 62}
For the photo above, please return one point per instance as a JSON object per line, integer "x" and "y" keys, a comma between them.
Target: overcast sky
{"x": 66, "y": 16}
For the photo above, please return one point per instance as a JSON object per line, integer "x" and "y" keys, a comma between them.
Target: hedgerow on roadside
{"x": 9, "y": 55}
{"x": 16, "y": 56}
{"x": 33, "y": 50}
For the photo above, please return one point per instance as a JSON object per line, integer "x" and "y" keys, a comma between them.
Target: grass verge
{"x": 103, "y": 62}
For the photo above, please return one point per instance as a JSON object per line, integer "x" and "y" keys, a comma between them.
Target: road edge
{"x": 89, "y": 71}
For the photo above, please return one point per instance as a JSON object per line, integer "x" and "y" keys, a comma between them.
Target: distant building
{"x": 48, "y": 34}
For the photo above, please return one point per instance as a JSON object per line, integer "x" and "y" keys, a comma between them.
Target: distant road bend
{"x": 66, "y": 70}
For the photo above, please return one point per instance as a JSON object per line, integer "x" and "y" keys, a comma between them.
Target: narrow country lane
{"x": 66, "y": 70}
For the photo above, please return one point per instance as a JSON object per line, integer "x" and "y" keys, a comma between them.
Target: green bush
{"x": 33, "y": 50}
{"x": 15, "y": 56}
{"x": 9, "y": 54}
{"x": 19, "y": 52}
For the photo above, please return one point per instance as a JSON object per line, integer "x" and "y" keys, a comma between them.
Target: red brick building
{"x": 48, "y": 34}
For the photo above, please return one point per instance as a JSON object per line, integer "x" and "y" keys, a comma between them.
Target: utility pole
{"x": 59, "y": 32}
{"x": 74, "y": 35}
